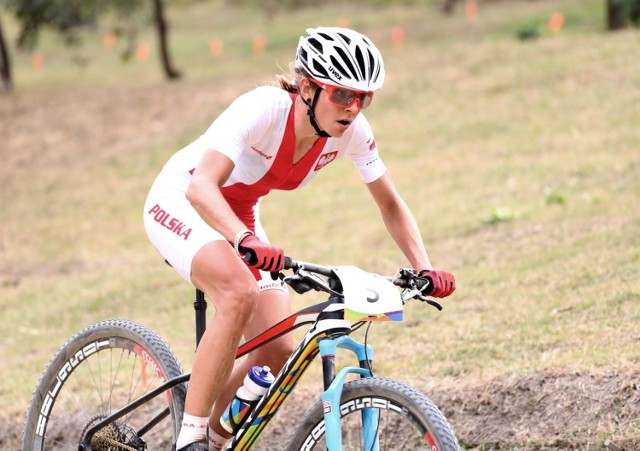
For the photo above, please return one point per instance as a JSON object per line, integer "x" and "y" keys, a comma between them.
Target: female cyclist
{"x": 202, "y": 210}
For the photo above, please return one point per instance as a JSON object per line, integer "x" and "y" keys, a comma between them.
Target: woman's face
{"x": 331, "y": 117}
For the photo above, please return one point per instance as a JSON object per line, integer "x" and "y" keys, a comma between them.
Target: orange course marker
{"x": 216, "y": 47}
{"x": 37, "y": 61}
{"x": 556, "y": 22}
{"x": 471, "y": 9}
{"x": 397, "y": 37}
{"x": 342, "y": 22}
{"x": 142, "y": 54}
{"x": 259, "y": 44}
{"x": 109, "y": 40}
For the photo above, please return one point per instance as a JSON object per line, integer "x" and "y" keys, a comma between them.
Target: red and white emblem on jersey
{"x": 325, "y": 160}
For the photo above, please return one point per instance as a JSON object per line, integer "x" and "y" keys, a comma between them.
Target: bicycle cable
{"x": 366, "y": 349}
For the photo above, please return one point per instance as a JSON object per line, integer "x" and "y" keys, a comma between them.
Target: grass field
{"x": 520, "y": 161}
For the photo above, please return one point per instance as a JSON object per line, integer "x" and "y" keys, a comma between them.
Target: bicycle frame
{"x": 329, "y": 331}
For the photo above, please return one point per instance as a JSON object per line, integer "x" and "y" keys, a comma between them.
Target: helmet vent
{"x": 320, "y": 69}
{"x": 345, "y": 59}
{"x": 361, "y": 62}
{"x": 345, "y": 38}
{"x": 326, "y": 36}
{"x": 372, "y": 66}
{"x": 316, "y": 44}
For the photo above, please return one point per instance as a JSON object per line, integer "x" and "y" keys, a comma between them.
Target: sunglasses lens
{"x": 365, "y": 99}
{"x": 346, "y": 97}
{"x": 343, "y": 97}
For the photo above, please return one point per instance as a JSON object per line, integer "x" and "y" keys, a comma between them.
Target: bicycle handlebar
{"x": 295, "y": 265}
{"x": 406, "y": 278}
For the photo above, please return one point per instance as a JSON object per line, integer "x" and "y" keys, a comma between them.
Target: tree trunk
{"x": 162, "y": 27}
{"x": 616, "y": 14}
{"x": 5, "y": 64}
{"x": 448, "y": 6}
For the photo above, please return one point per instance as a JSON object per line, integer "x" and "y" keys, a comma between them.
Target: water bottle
{"x": 256, "y": 384}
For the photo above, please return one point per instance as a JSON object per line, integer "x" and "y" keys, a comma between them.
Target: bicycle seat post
{"x": 200, "y": 306}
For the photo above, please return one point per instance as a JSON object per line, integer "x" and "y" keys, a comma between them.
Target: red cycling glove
{"x": 262, "y": 255}
{"x": 442, "y": 283}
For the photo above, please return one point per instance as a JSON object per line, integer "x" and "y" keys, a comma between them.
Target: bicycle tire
{"x": 406, "y": 417}
{"x": 98, "y": 371}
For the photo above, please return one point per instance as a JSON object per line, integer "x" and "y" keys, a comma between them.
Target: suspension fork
{"x": 333, "y": 390}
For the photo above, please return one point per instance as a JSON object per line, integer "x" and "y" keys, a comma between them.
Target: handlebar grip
{"x": 250, "y": 257}
{"x": 289, "y": 263}
{"x": 422, "y": 281}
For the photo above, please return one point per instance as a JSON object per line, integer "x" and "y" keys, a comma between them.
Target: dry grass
{"x": 470, "y": 120}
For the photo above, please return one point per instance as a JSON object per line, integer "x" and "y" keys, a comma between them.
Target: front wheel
{"x": 100, "y": 370}
{"x": 407, "y": 419}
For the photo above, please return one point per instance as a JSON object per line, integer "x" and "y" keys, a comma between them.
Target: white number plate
{"x": 368, "y": 297}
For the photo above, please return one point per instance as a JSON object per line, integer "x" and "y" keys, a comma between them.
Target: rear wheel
{"x": 100, "y": 370}
{"x": 407, "y": 419}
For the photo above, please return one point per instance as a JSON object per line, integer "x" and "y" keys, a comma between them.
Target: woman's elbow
{"x": 194, "y": 193}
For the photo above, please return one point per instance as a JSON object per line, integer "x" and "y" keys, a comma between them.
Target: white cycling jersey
{"x": 256, "y": 132}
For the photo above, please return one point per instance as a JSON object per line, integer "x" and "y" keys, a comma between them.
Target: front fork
{"x": 333, "y": 391}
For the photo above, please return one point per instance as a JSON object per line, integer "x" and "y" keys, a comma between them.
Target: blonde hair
{"x": 291, "y": 82}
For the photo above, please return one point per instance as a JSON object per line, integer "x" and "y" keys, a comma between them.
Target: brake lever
{"x": 306, "y": 281}
{"x": 430, "y": 301}
{"x": 298, "y": 283}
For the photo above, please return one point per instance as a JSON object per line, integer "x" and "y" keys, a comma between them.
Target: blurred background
{"x": 510, "y": 127}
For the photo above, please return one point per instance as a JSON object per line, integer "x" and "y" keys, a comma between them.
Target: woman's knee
{"x": 237, "y": 302}
{"x": 225, "y": 279}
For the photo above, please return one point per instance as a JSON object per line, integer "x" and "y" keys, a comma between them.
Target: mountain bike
{"x": 116, "y": 385}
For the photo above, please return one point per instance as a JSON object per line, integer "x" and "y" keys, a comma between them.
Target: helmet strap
{"x": 312, "y": 115}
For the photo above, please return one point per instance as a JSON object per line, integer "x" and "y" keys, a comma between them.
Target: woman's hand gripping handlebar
{"x": 257, "y": 253}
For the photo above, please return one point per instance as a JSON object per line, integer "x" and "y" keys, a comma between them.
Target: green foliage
{"x": 622, "y": 13}
{"x": 633, "y": 11}
{"x": 528, "y": 31}
{"x": 554, "y": 197}
{"x": 499, "y": 215}
{"x": 68, "y": 16}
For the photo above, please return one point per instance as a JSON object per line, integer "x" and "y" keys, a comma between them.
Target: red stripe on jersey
{"x": 283, "y": 174}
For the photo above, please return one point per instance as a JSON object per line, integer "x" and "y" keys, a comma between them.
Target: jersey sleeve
{"x": 240, "y": 125}
{"x": 364, "y": 152}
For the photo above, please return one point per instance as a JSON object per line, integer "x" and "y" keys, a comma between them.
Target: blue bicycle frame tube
{"x": 331, "y": 396}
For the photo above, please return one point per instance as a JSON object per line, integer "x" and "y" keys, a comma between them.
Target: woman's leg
{"x": 273, "y": 306}
{"x": 232, "y": 289}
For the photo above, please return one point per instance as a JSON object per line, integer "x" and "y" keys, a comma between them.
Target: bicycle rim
{"x": 100, "y": 370}
{"x": 407, "y": 419}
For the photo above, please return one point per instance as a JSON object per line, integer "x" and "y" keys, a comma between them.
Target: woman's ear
{"x": 305, "y": 88}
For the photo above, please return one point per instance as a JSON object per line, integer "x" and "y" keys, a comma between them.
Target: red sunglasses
{"x": 346, "y": 97}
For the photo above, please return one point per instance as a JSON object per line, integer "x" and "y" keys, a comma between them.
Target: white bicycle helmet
{"x": 341, "y": 57}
